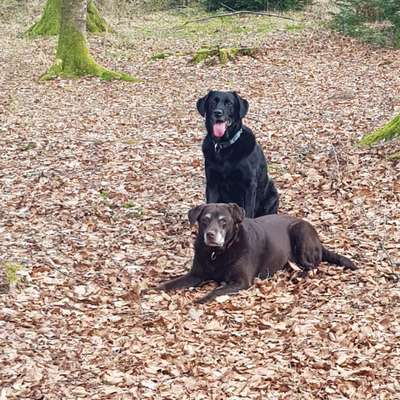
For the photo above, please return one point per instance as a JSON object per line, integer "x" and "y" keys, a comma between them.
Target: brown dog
{"x": 233, "y": 250}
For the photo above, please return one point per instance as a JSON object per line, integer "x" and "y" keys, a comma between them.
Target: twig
{"x": 238, "y": 13}
{"x": 228, "y": 8}
{"x": 338, "y": 172}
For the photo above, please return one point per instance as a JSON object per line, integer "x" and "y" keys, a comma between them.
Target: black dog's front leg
{"x": 223, "y": 290}
{"x": 212, "y": 194}
{"x": 212, "y": 182}
{"x": 184, "y": 281}
{"x": 250, "y": 201}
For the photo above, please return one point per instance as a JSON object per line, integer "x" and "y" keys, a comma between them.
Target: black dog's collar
{"x": 223, "y": 145}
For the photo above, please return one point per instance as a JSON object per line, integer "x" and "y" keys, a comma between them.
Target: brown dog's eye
{"x": 205, "y": 220}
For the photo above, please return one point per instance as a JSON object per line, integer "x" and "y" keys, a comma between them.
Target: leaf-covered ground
{"x": 96, "y": 180}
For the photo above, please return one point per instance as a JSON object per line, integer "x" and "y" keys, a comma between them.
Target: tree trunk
{"x": 95, "y": 23}
{"x": 387, "y": 132}
{"x": 73, "y": 58}
{"x": 49, "y": 23}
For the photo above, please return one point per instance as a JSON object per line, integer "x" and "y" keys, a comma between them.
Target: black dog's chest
{"x": 226, "y": 172}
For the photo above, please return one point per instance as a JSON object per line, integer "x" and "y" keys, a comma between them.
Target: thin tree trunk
{"x": 49, "y": 23}
{"x": 73, "y": 58}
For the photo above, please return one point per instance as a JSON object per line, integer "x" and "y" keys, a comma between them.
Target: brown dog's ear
{"x": 237, "y": 212}
{"x": 202, "y": 104}
{"x": 243, "y": 105}
{"x": 194, "y": 213}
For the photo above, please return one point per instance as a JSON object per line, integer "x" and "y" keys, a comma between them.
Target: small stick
{"x": 238, "y": 13}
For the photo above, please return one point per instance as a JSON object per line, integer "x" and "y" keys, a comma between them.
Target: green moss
{"x": 394, "y": 156}
{"x": 73, "y": 59}
{"x": 223, "y": 54}
{"x": 387, "y": 132}
{"x": 295, "y": 27}
{"x": 202, "y": 54}
{"x": 49, "y": 23}
{"x": 29, "y": 146}
{"x": 104, "y": 194}
{"x": 11, "y": 271}
{"x": 94, "y": 21}
{"x": 160, "y": 56}
{"x": 134, "y": 210}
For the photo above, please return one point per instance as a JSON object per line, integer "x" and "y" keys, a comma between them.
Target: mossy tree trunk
{"x": 49, "y": 23}
{"x": 389, "y": 131}
{"x": 95, "y": 23}
{"x": 73, "y": 58}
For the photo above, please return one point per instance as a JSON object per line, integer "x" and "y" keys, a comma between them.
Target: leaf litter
{"x": 96, "y": 181}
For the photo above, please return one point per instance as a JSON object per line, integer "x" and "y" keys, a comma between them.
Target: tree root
{"x": 91, "y": 68}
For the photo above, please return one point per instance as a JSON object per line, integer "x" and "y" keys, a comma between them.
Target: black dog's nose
{"x": 218, "y": 113}
{"x": 210, "y": 235}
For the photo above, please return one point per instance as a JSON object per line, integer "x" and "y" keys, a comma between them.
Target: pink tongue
{"x": 219, "y": 129}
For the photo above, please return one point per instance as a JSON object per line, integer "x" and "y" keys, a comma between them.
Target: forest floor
{"x": 96, "y": 181}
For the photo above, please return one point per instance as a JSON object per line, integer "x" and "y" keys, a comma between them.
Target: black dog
{"x": 235, "y": 165}
{"x": 232, "y": 249}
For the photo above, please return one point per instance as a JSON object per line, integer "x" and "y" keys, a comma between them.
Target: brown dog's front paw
{"x": 161, "y": 287}
{"x": 202, "y": 300}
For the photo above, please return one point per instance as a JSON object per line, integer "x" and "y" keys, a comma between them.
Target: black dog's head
{"x": 223, "y": 112}
{"x": 217, "y": 222}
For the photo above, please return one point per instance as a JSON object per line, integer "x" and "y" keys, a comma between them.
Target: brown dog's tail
{"x": 334, "y": 258}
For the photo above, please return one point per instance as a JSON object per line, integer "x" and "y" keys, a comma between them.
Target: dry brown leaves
{"x": 96, "y": 179}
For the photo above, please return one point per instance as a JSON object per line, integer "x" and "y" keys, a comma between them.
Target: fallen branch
{"x": 223, "y": 54}
{"x": 231, "y": 14}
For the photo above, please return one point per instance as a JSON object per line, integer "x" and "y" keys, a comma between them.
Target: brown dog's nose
{"x": 210, "y": 235}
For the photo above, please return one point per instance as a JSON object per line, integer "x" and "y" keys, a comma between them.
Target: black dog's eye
{"x": 228, "y": 103}
{"x": 222, "y": 222}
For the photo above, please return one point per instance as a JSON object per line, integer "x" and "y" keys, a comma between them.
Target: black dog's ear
{"x": 243, "y": 105}
{"x": 194, "y": 213}
{"x": 237, "y": 212}
{"x": 202, "y": 104}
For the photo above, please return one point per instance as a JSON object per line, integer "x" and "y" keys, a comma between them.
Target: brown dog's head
{"x": 217, "y": 222}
